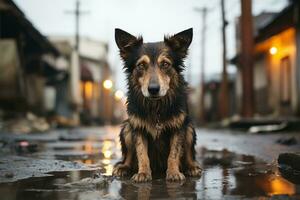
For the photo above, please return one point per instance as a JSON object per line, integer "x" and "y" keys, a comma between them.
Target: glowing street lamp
{"x": 119, "y": 94}
{"x": 107, "y": 84}
{"x": 273, "y": 50}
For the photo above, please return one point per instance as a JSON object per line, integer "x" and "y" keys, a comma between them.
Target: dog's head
{"x": 153, "y": 68}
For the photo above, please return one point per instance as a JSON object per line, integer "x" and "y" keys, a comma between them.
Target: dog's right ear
{"x": 125, "y": 42}
{"x": 180, "y": 42}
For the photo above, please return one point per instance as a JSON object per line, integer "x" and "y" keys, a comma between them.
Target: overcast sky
{"x": 150, "y": 18}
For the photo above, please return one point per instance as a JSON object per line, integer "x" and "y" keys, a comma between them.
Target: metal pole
{"x": 247, "y": 58}
{"x": 224, "y": 101}
{"x": 297, "y": 17}
{"x": 77, "y": 15}
{"x": 0, "y": 24}
{"x": 202, "y": 62}
{"x": 204, "y": 13}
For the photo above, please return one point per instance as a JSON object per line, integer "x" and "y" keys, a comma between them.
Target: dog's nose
{"x": 153, "y": 89}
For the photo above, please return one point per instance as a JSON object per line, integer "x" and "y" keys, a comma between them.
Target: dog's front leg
{"x": 193, "y": 168}
{"x": 123, "y": 168}
{"x": 176, "y": 151}
{"x": 144, "y": 172}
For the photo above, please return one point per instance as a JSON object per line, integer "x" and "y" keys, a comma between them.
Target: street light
{"x": 119, "y": 94}
{"x": 273, "y": 50}
{"x": 107, "y": 84}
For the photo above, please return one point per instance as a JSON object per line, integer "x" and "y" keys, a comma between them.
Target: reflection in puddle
{"x": 107, "y": 152}
{"x": 279, "y": 186}
{"x": 226, "y": 175}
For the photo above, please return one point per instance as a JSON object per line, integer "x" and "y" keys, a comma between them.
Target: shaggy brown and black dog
{"x": 158, "y": 136}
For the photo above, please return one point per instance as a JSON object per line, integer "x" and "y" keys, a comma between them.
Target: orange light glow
{"x": 273, "y": 50}
{"x": 281, "y": 186}
{"x": 88, "y": 162}
{"x": 88, "y": 87}
{"x": 276, "y": 185}
{"x": 88, "y": 147}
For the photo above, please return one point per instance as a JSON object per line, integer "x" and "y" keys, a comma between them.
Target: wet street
{"x": 77, "y": 164}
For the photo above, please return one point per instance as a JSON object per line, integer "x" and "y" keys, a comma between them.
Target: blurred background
{"x": 63, "y": 96}
{"x": 59, "y": 65}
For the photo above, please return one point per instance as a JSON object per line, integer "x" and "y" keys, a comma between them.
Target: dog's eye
{"x": 165, "y": 64}
{"x": 140, "y": 66}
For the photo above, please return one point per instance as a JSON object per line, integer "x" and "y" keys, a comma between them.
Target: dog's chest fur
{"x": 156, "y": 126}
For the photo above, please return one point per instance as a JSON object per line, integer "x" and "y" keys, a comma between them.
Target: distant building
{"x": 96, "y": 101}
{"x": 212, "y": 101}
{"x": 276, "y": 63}
{"x": 30, "y": 66}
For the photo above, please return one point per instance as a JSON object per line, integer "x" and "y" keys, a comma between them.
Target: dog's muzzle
{"x": 153, "y": 89}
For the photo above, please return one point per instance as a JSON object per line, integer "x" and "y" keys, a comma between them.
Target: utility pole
{"x": 75, "y": 76}
{"x": 77, "y": 12}
{"x": 296, "y": 10}
{"x": 247, "y": 58}
{"x": 224, "y": 97}
{"x": 203, "y": 12}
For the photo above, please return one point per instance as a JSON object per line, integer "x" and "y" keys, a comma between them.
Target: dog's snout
{"x": 153, "y": 88}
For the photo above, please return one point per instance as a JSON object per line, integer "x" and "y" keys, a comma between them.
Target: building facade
{"x": 276, "y": 63}
{"x": 94, "y": 102}
{"x": 29, "y": 64}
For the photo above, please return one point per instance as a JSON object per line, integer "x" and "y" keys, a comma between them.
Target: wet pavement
{"x": 77, "y": 164}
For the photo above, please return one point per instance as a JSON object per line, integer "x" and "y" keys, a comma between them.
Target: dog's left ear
{"x": 126, "y": 42}
{"x": 180, "y": 42}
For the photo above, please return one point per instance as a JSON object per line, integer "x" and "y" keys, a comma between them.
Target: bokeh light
{"x": 107, "y": 84}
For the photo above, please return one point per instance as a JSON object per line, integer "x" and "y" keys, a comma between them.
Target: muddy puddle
{"x": 226, "y": 175}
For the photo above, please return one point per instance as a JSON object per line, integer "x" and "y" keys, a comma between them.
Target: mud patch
{"x": 14, "y": 168}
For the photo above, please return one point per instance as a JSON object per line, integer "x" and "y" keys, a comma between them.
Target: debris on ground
{"x": 87, "y": 184}
{"x": 28, "y": 124}
{"x": 267, "y": 128}
{"x": 9, "y": 175}
{"x": 222, "y": 158}
{"x": 61, "y": 121}
{"x": 287, "y": 141}
{"x": 289, "y": 166}
{"x": 26, "y": 147}
{"x": 291, "y": 159}
{"x": 281, "y": 124}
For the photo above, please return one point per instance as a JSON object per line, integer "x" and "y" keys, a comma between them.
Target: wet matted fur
{"x": 158, "y": 136}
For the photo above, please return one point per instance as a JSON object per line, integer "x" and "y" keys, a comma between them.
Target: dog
{"x": 158, "y": 137}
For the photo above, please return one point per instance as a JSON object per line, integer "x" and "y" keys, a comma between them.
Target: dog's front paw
{"x": 141, "y": 177}
{"x": 121, "y": 170}
{"x": 175, "y": 176}
{"x": 194, "y": 171}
